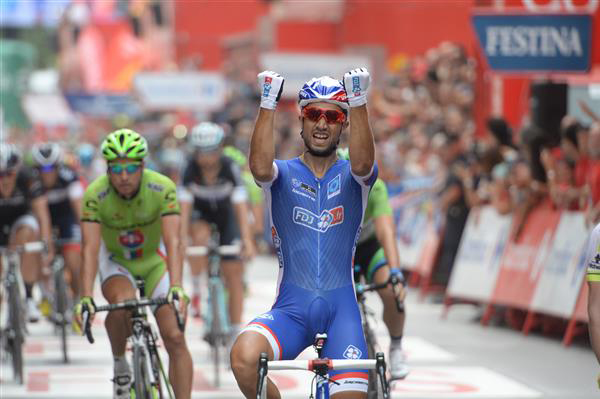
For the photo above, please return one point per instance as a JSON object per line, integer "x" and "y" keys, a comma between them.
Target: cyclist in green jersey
{"x": 376, "y": 257}
{"x": 125, "y": 215}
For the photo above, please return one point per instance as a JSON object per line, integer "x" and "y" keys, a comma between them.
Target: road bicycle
{"x": 321, "y": 368}
{"x": 13, "y": 334}
{"x": 150, "y": 380}
{"x": 367, "y": 314}
{"x": 216, "y": 317}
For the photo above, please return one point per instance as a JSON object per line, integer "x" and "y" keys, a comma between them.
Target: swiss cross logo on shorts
{"x": 352, "y": 352}
{"x": 267, "y": 86}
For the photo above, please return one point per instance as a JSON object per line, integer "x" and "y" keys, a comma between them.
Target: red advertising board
{"x": 522, "y": 260}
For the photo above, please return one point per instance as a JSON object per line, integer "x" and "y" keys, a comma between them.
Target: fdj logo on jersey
{"x": 320, "y": 223}
{"x": 132, "y": 240}
{"x": 267, "y": 86}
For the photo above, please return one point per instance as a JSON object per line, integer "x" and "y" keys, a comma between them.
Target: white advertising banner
{"x": 298, "y": 68}
{"x": 563, "y": 268}
{"x": 477, "y": 263}
{"x": 193, "y": 91}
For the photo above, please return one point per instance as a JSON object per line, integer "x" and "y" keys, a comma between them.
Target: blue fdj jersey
{"x": 315, "y": 222}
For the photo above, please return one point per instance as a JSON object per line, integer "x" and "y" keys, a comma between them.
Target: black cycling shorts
{"x": 226, "y": 222}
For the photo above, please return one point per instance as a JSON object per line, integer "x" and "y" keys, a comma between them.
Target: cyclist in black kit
{"x": 64, "y": 191}
{"x": 24, "y": 217}
{"x": 214, "y": 193}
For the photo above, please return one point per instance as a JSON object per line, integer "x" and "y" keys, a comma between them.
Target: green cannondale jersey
{"x": 131, "y": 229}
{"x": 377, "y": 205}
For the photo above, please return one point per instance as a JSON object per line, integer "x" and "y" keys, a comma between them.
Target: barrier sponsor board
{"x": 410, "y": 202}
{"x": 563, "y": 269}
{"x": 296, "y": 71}
{"x": 477, "y": 263}
{"x": 522, "y": 260}
{"x": 533, "y": 43}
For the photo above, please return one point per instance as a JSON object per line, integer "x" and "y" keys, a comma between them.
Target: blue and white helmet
{"x": 323, "y": 89}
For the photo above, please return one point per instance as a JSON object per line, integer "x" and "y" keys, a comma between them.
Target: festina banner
{"x": 535, "y": 43}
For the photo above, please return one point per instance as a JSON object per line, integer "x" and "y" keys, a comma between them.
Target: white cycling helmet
{"x": 9, "y": 156}
{"x": 46, "y": 154}
{"x": 206, "y": 136}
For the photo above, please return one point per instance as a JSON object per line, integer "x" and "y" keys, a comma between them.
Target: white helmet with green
{"x": 124, "y": 144}
{"x": 206, "y": 137}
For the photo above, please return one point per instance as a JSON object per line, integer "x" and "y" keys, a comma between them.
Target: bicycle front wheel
{"x": 16, "y": 332}
{"x": 141, "y": 383}
{"x": 60, "y": 287}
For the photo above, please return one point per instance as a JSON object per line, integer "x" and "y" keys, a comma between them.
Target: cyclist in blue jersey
{"x": 316, "y": 204}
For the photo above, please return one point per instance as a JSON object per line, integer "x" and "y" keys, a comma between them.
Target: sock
{"x": 196, "y": 284}
{"x": 28, "y": 290}
{"x": 396, "y": 342}
{"x": 120, "y": 365}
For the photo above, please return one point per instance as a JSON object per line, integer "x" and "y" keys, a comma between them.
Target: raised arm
{"x": 362, "y": 148}
{"x": 262, "y": 146}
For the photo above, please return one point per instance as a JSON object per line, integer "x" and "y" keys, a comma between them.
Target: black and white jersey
{"x": 67, "y": 187}
{"x": 229, "y": 187}
{"x": 16, "y": 204}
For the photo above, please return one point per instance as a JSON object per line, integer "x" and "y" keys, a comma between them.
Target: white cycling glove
{"x": 270, "y": 85}
{"x": 356, "y": 83}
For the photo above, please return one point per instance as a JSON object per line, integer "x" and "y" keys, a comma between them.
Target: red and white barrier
{"x": 523, "y": 259}
{"x": 541, "y": 272}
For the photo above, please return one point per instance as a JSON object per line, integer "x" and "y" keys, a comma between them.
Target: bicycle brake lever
{"x": 263, "y": 365}
{"x": 180, "y": 322}
{"x": 87, "y": 328}
{"x": 394, "y": 281}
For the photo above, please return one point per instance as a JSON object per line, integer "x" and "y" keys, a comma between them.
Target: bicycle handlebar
{"x": 130, "y": 305}
{"x": 322, "y": 366}
{"x": 393, "y": 280}
{"x": 222, "y": 250}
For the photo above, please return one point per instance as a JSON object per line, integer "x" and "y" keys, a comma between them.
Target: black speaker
{"x": 548, "y": 105}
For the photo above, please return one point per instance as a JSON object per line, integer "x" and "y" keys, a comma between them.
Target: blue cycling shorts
{"x": 299, "y": 314}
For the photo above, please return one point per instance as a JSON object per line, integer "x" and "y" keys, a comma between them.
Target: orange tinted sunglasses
{"x": 331, "y": 115}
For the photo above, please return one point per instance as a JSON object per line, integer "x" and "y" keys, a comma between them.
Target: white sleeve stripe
{"x": 362, "y": 180}
{"x": 184, "y": 195}
{"x": 75, "y": 190}
{"x": 239, "y": 194}
{"x": 266, "y": 184}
